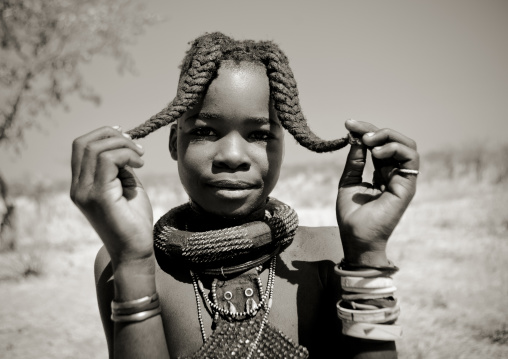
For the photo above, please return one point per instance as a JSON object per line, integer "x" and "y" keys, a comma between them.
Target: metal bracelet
{"x": 136, "y": 317}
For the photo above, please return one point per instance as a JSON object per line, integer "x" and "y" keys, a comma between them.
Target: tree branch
{"x": 10, "y": 37}
{"x": 11, "y": 116}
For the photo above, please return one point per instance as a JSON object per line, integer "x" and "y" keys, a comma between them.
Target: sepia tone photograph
{"x": 264, "y": 179}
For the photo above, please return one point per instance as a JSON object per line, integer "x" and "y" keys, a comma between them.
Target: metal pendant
{"x": 251, "y": 306}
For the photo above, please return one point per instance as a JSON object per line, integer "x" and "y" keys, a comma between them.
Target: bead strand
{"x": 216, "y": 308}
{"x": 267, "y": 305}
{"x": 264, "y": 321}
{"x": 198, "y": 303}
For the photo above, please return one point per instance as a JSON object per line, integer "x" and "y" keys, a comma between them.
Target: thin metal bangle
{"x": 133, "y": 310}
{"x": 136, "y": 317}
{"x": 135, "y": 303}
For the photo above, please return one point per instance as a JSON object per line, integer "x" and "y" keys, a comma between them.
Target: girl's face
{"x": 230, "y": 146}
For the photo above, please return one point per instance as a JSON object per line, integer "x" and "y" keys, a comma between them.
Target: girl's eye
{"x": 203, "y": 132}
{"x": 261, "y": 135}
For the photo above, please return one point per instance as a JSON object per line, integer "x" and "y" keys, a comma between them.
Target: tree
{"x": 43, "y": 45}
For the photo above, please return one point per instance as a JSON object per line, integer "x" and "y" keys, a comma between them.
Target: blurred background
{"x": 435, "y": 70}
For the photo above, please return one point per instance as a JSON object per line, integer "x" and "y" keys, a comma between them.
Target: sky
{"x": 435, "y": 70}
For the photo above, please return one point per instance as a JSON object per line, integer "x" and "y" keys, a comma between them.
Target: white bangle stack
{"x": 368, "y": 308}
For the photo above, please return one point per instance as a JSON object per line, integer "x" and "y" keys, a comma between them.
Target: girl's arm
{"x": 367, "y": 214}
{"x": 106, "y": 190}
{"x": 127, "y": 340}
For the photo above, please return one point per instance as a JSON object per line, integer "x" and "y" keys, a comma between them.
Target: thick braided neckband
{"x": 227, "y": 250}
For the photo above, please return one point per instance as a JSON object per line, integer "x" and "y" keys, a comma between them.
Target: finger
{"x": 360, "y": 127}
{"x": 128, "y": 178}
{"x": 401, "y": 185}
{"x": 355, "y": 163}
{"x": 94, "y": 149}
{"x": 79, "y": 146}
{"x": 407, "y": 157}
{"x": 109, "y": 164}
{"x": 377, "y": 180}
{"x": 380, "y": 137}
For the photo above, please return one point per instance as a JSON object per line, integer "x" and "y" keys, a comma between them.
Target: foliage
{"x": 44, "y": 43}
{"x": 475, "y": 161}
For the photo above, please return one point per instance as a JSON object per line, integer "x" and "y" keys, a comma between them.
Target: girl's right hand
{"x": 105, "y": 188}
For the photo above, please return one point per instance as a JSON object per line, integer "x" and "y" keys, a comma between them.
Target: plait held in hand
{"x": 200, "y": 67}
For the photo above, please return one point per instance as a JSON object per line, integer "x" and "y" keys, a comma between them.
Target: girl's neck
{"x": 199, "y": 220}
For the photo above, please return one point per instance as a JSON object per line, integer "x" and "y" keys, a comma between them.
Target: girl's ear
{"x": 173, "y": 142}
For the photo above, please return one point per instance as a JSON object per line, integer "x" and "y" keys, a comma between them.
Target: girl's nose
{"x": 232, "y": 153}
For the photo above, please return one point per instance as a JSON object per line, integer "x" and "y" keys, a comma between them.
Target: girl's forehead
{"x": 239, "y": 91}
{"x": 244, "y": 72}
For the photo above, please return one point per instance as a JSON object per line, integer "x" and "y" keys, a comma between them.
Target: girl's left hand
{"x": 368, "y": 213}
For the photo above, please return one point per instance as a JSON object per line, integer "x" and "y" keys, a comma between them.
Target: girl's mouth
{"x": 232, "y": 185}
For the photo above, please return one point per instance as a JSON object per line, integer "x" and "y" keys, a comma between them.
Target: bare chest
{"x": 298, "y": 295}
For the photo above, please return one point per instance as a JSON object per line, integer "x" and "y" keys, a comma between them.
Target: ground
{"x": 451, "y": 246}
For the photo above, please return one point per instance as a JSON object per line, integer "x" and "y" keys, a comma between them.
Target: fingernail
{"x": 139, "y": 146}
{"x": 126, "y": 135}
{"x": 351, "y": 120}
{"x": 116, "y": 128}
{"x": 377, "y": 148}
{"x": 369, "y": 134}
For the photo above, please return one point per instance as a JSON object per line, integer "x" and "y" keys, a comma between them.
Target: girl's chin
{"x": 232, "y": 209}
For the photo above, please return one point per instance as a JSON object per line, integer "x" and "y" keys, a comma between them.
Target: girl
{"x": 230, "y": 274}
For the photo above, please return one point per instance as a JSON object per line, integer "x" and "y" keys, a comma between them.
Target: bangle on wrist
{"x": 391, "y": 268}
{"x": 377, "y": 318}
{"x": 381, "y": 315}
{"x": 135, "y": 310}
{"x": 359, "y": 282}
{"x": 368, "y": 309}
{"x": 364, "y": 273}
{"x": 136, "y": 317}
{"x": 360, "y": 306}
{"x": 371, "y": 331}
{"x": 385, "y": 291}
{"x": 136, "y": 303}
{"x": 375, "y": 303}
{"x": 363, "y": 296}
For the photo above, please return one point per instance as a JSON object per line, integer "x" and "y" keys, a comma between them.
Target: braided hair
{"x": 200, "y": 66}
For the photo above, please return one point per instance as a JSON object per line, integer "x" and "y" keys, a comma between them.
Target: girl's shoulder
{"x": 317, "y": 244}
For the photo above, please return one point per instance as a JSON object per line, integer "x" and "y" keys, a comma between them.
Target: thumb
{"x": 355, "y": 163}
{"x": 128, "y": 178}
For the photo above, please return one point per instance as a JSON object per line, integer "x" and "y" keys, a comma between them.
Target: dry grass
{"x": 453, "y": 254}
{"x": 451, "y": 245}
{"x": 22, "y": 265}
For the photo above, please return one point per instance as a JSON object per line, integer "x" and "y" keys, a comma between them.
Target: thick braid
{"x": 285, "y": 96}
{"x": 200, "y": 67}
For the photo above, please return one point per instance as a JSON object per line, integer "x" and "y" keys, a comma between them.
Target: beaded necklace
{"x": 265, "y": 303}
